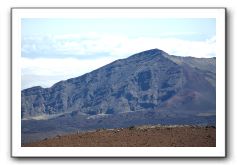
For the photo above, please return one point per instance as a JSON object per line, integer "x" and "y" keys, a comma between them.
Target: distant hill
{"x": 147, "y": 87}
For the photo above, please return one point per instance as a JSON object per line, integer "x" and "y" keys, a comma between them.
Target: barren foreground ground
{"x": 143, "y": 136}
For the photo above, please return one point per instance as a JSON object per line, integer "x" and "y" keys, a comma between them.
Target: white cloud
{"x": 190, "y": 48}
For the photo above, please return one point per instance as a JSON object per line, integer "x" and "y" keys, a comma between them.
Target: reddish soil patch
{"x": 145, "y": 136}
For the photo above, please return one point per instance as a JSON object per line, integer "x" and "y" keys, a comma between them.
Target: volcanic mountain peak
{"x": 149, "y": 87}
{"x": 149, "y": 80}
{"x": 148, "y": 53}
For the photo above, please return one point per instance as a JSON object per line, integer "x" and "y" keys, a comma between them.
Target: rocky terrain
{"x": 144, "y": 136}
{"x": 150, "y": 87}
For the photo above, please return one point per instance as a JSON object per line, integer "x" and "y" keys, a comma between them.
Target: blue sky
{"x": 86, "y": 44}
{"x": 191, "y": 29}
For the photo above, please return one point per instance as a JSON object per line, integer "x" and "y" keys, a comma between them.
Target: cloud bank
{"x": 93, "y": 45}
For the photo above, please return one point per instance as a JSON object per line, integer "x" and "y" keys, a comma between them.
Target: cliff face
{"x": 150, "y": 80}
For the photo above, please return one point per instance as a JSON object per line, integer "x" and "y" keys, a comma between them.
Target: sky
{"x": 58, "y": 49}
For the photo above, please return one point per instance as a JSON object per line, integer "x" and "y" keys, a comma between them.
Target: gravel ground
{"x": 143, "y": 136}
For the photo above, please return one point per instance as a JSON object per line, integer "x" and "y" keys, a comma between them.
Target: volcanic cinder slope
{"x": 151, "y": 87}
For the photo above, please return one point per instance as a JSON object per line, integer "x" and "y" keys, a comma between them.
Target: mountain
{"x": 143, "y": 88}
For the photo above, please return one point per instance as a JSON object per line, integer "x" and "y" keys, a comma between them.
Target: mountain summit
{"x": 149, "y": 80}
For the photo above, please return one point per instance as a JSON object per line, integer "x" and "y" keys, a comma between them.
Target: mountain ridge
{"x": 144, "y": 52}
